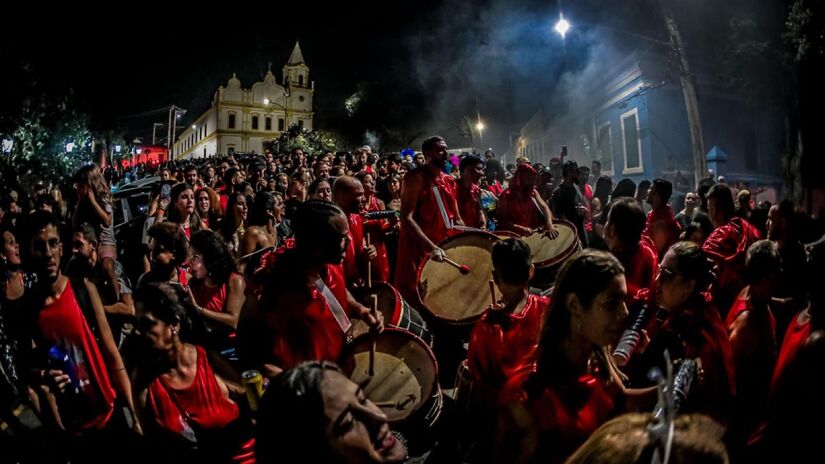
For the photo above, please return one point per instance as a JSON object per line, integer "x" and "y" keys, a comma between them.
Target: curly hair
{"x": 216, "y": 255}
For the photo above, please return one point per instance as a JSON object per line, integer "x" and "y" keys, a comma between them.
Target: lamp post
{"x": 175, "y": 113}
{"x": 688, "y": 82}
{"x": 268, "y": 102}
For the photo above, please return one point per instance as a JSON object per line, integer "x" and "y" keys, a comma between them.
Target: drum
{"x": 405, "y": 384}
{"x": 450, "y": 296}
{"x": 397, "y": 312}
{"x": 549, "y": 254}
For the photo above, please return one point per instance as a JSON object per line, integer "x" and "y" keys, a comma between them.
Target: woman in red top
{"x": 520, "y": 208}
{"x": 183, "y": 211}
{"x": 376, "y": 228}
{"x": 692, "y": 328}
{"x": 217, "y": 289}
{"x": 553, "y": 405}
{"x": 233, "y": 225}
{"x": 209, "y": 207}
{"x": 623, "y": 236}
{"x": 184, "y": 404}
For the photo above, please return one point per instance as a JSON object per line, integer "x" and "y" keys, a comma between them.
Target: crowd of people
{"x": 256, "y": 264}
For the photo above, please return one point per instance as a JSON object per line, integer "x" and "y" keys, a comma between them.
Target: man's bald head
{"x": 348, "y": 194}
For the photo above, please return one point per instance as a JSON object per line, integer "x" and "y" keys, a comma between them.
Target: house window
{"x": 604, "y": 145}
{"x": 268, "y": 123}
{"x": 254, "y": 123}
{"x": 301, "y": 124}
{"x": 301, "y": 98}
{"x": 300, "y": 80}
{"x": 632, "y": 143}
{"x": 231, "y": 120}
{"x": 281, "y": 124}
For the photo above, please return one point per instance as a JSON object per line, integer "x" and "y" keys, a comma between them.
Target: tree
{"x": 48, "y": 139}
{"x": 311, "y": 142}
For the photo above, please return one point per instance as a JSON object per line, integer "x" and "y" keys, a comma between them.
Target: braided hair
{"x": 311, "y": 219}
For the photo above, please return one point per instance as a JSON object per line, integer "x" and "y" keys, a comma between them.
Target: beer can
{"x": 253, "y": 384}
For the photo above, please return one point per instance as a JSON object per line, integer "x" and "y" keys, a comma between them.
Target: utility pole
{"x": 174, "y": 111}
{"x": 155, "y": 126}
{"x": 697, "y": 140}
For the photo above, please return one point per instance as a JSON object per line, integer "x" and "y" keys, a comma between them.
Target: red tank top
{"x": 211, "y": 298}
{"x": 62, "y": 323}
{"x": 501, "y": 343}
{"x": 202, "y": 402}
{"x": 794, "y": 338}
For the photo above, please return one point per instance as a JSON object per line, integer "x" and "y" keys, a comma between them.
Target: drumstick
{"x": 372, "y": 347}
{"x": 369, "y": 265}
{"x": 493, "y": 292}
{"x": 463, "y": 268}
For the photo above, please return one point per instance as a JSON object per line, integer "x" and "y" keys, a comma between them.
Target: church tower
{"x": 299, "y": 89}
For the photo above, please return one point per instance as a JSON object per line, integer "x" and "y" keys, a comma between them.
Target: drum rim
{"x": 390, "y": 331}
{"x": 430, "y": 312}
{"x": 561, "y": 257}
{"x": 399, "y": 299}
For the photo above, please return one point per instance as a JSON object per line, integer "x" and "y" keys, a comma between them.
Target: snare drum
{"x": 450, "y": 296}
{"x": 397, "y": 312}
{"x": 549, "y": 254}
{"x": 405, "y": 384}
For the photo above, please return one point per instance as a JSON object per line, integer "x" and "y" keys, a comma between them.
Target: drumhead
{"x": 405, "y": 372}
{"x": 549, "y": 252}
{"x": 447, "y": 294}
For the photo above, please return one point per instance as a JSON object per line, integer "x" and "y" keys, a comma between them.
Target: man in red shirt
{"x": 661, "y": 228}
{"x": 623, "y": 236}
{"x": 429, "y": 211}
{"x": 469, "y": 192}
{"x": 348, "y": 194}
{"x": 752, "y": 331}
{"x": 302, "y": 311}
{"x": 71, "y": 326}
{"x": 727, "y": 245}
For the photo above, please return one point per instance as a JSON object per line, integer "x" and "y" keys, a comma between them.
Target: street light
{"x": 562, "y": 26}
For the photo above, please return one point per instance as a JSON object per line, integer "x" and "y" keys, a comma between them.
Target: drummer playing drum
{"x": 429, "y": 211}
{"x": 521, "y": 209}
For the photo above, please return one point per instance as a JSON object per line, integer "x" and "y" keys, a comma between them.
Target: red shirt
{"x": 704, "y": 336}
{"x": 641, "y": 269}
{"x": 301, "y": 326}
{"x": 794, "y": 338}
{"x": 63, "y": 323}
{"x": 565, "y": 415}
{"x": 203, "y": 402}
{"x": 754, "y": 357}
{"x": 662, "y": 228}
{"x": 469, "y": 205}
{"x": 355, "y": 246}
{"x": 727, "y": 246}
{"x": 495, "y": 188}
{"x": 412, "y": 250}
{"x": 500, "y": 342}
{"x": 377, "y": 228}
{"x": 517, "y": 208}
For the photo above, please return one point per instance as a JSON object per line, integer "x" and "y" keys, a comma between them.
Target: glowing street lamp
{"x": 266, "y": 101}
{"x": 479, "y": 126}
{"x": 562, "y": 26}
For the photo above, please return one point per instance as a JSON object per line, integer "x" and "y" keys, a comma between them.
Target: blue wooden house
{"x": 630, "y": 115}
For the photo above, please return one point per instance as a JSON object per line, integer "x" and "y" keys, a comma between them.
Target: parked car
{"x": 131, "y": 203}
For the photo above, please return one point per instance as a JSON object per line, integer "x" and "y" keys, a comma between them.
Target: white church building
{"x": 243, "y": 120}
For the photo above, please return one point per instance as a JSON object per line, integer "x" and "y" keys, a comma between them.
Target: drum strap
{"x": 541, "y": 212}
{"x": 441, "y": 208}
{"x": 447, "y": 222}
{"x": 334, "y": 306}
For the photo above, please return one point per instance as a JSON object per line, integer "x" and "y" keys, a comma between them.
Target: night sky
{"x": 424, "y": 64}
